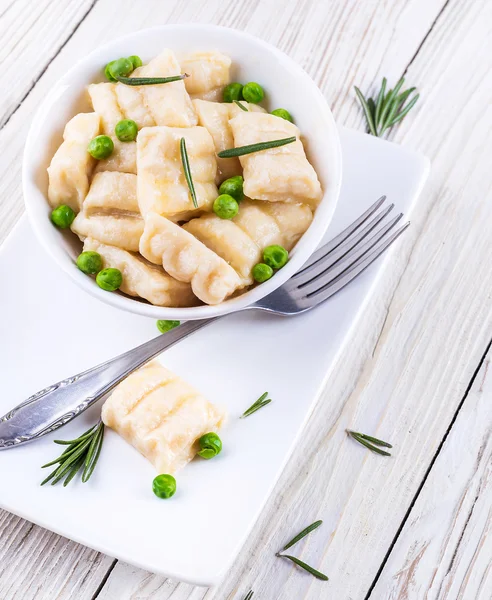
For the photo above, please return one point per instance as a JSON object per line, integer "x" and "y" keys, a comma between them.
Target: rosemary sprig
{"x": 241, "y": 150}
{"x": 249, "y": 595}
{"x": 388, "y": 109}
{"x": 300, "y": 535}
{"x": 187, "y": 171}
{"x": 150, "y": 80}
{"x": 82, "y": 452}
{"x": 240, "y": 105}
{"x": 262, "y": 401}
{"x": 370, "y": 442}
{"x": 305, "y": 566}
{"x": 367, "y": 111}
{"x": 297, "y": 561}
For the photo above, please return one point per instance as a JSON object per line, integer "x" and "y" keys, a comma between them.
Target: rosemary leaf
{"x": 83, "y": 452}
{"x": 260, "y": 403}
{"x": 89, "y": 468}
{"x": 249, "y": 595}
{"x": 300, "y": 535}
{"x": 150, "y": 80}
{"x": 374, "y": 440}
{"x": 92, "y": 447}
{"x": 69, "y": 452}
{"x": 379, "y": 102}
{"x": 83, "y": 436}
{"x": 67, "y": 465}
{"x": 187, "y": 171}
{"x": 256, "y": 147}
{"x": 388, "y": 104}
{"x": 306, "y": 567}
{"x": 405, "y": 111}
{"x": 372, "y": 108}
{"x": 367, "y": 111}
{"x": 366, "y": 440}
{"x": 240, "y": 105}
{"x": 400, "y": 100}
{"x": 74, "y": 471}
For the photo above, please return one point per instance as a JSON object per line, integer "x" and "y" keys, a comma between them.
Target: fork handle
{"x": 61, "y": 402}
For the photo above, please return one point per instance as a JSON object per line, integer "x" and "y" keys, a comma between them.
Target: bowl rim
{"x": 299, "y": 255}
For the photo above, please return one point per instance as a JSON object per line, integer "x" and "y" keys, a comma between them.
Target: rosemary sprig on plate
{"x": 296, "y": 560}
{"x": 241, "y": 150}
{"x": 262, "y": 401}
{"x": 240, "y": 105}
{"x": 388, "y": 109}
{"x": 187, "y": 171}
{"x": 82, "y": 452}
{"x": 150, "y": 80}
{"x": 370, "y": 442}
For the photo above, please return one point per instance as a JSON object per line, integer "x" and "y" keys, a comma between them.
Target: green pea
{"x": 225, "y": 206}
{"x": 253, "y": 92}
{"x": 283, "y": 114}
{"x": 122, "y": 67}
{"x": 62, "y": 216}
{"x": 164, "y": 486}
{"x": 233, "y": 187}
{"x": 232, "y": 92}
{"x": 90, "y": 262}
{"x": 100, "y": 147}
{"x": 275, "y": 256}
{"x": 107, "y": 73}
{"x": 210, "y": 445}
{"x": 136, "y": 61}
{"x": 109, "y": 279}
{"x": 261, "y": 272}
{"x": 126, "y": 130}
{"x": 165, "y": 326}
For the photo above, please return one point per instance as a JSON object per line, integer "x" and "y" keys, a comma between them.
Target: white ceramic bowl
{"x": 286, "y": 85}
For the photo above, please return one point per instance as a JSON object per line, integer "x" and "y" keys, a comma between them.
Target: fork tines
{"x": 334, "y": 265}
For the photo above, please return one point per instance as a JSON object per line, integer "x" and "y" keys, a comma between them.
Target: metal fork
{"x": 327, "y": 271}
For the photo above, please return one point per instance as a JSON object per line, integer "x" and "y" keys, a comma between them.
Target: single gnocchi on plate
{"x": 181, "y": 180}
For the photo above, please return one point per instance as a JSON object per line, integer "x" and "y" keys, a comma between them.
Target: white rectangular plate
{"x": 50, "y": 329}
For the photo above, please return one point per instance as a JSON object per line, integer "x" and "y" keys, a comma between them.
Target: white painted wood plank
{"x": 63, "y": 569}
{"x": 445, "y": 549}
{"x": 32, "y": 34}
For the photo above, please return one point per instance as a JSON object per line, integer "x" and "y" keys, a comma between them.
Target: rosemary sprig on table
{"x": 240, "y": 105}
{"x": 241, "y": 150}
{"x": 370, "y": 442}
{"x": 305, "y": 566}
{"x": 262, "y": 401}
{"x": 300, "y": 535}
{"x": 82, "y": 452}
{"x": 150, "y": 80}
{"x": 296, "y": 560}
{"x": 388, "y": 109}
{"x": 187, "y": 171}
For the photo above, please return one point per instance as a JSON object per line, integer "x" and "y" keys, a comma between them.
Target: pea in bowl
{"x": 152, "y": 187}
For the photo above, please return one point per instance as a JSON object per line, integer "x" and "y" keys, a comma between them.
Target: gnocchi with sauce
{"x": 164, "y": 136}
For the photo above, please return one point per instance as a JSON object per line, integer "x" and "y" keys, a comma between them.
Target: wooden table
{"x": 418, "y": 525}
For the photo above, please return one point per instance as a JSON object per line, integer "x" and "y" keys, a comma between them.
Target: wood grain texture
{"x": 407, "y": 367}
{"x": 32, "y": 35}
{"x": 445, "y": 548}
{"x": 68, "y": 568}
